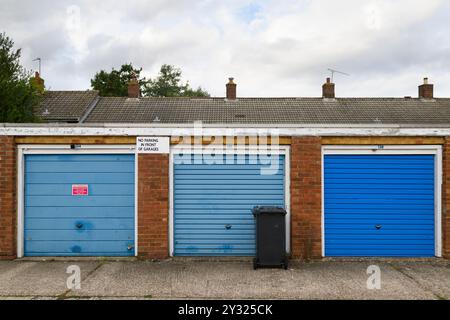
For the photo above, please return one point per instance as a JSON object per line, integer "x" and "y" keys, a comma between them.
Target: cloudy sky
{"x": 271, "y": 47}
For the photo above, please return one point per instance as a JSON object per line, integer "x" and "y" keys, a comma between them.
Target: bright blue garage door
{"x": 213, "y": 203}
{"x": 58, "y": 223}
{"x": 379, "y": 205}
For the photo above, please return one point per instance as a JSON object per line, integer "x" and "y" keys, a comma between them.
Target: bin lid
{"x": 268, "y": 210}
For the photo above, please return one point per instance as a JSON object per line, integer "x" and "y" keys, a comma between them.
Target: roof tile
{"x": 65, "y": 106}
{"x": 272, "y": 110}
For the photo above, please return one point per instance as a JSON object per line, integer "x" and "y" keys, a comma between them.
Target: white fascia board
{"x": 218, "y": 130}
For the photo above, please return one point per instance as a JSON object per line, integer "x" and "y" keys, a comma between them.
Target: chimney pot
{"x": 328, "y": 90}
{"x": 231, "y": 89}
{"x": 133, "y": 88}
{"x": 426, "y": 90}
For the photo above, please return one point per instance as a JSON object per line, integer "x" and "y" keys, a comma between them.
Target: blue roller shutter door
{"x": 379, "y": 205}
{"x": 213, "y": 203}
{"x": 60, "y": 224}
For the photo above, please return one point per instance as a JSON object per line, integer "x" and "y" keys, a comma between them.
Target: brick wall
{"x": 153, "y": 200}
{"x": 446, "y": 200}
{"x": 153, "y": 205}
{"x": 306, "y": 199}
{"x": 7, "y": 198}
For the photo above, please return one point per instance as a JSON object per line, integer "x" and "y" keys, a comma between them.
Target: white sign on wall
{"x": 152, "y": 144}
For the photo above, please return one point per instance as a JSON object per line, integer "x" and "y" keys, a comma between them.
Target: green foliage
{"x": 199, "y": 92}
{"x": 18, "y": 96}
{"x": 115, "y": 83}
{"x": 168, "y": 84}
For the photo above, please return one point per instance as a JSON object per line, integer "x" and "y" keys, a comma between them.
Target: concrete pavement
{"x": 223, "y": 279}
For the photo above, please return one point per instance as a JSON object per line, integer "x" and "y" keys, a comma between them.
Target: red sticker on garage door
{"x": 80, "y": 190}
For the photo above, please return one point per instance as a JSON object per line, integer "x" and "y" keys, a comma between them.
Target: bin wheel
{"x": 255, "y": 264}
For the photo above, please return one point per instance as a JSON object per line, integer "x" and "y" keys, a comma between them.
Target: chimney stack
{"x": 328, "y": 90}
{"x": 231, "y": 89}
{"x": 133, "y": 88}
{"x": 426, "y": 90}
{"x": 37, "y": 82}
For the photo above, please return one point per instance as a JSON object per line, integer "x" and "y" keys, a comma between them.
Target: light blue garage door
{"x": 213, "y": 204}
{"x": 379, "y": 205}
{"x": 99, "y": 223}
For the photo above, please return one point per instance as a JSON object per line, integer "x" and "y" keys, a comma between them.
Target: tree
{"x": 168, "y": 84}
{"x": 115, "y": 83}
{"x": 199, "y": 92}
{"x": 18, "y": 96}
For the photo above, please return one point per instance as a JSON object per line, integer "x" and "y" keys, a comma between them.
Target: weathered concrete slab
{"x": 434, "y": 276}
{"x": 33, "y": 278}
{"x": 179, "y": 279}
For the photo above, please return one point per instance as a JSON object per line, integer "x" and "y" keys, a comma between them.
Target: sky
{"x": 272, "y": 48}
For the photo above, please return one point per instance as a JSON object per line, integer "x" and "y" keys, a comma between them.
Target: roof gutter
{"x": 199, "y": 129}
{"x": 218, "y": 125}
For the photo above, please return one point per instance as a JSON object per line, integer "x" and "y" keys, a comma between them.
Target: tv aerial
{"x": 39, "y": 60}
{"x": 333, "y": 71}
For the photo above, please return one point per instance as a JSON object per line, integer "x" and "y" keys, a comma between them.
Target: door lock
{"x": 378, "y": 227}
{"x": 228, "y": 226}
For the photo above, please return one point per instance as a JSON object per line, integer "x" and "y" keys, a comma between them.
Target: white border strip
{"x": 392, "y": 149}
{"x": 229, "y": 130}
{"x": 136, "y": 209}
{"x": 284, "y": 150}
{"x": 63, "y": 149}
{"x": 20, "y": 202}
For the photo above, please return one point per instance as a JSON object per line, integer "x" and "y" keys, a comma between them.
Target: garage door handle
{"x": 79, "y": 225}
{"x": 130, "y": 247}
{"x": 378, "y": 227}
{"x": 228, "y": 226}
